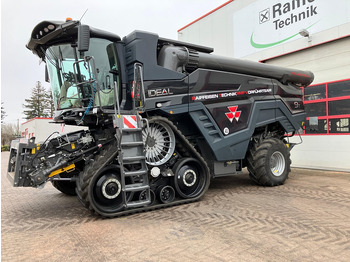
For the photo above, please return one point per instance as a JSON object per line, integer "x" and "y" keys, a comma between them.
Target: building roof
{"x": 37, "y": 118}
{"x": 221, "y": 6}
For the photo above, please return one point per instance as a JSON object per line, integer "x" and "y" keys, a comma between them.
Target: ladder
{"x": 128, "y": 126}
{"x": 130, "y": 145}
{"x": 132, "y": 154}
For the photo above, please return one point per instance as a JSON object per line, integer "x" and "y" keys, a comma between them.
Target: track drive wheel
{"x": 269, "y": 162}
{"x": 100, "y": 190}
{"x": 104, "y": 191}
{"x": 190, "y": 177}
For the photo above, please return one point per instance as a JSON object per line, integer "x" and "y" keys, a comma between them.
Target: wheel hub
{"x": 189, "y": 178}
{"x": 111, "y": 188}
{"x": 277, "y": 163}
{"x": 151, "y": 142}
{"x": 166, "y": 194}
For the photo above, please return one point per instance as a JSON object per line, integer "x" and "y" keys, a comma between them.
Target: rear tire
{"x": 269, "y": 162}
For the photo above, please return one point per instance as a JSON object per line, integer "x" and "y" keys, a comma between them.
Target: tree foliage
{"x": 50, "y": 104}
{"x": 8, "y": 133}
{"x": 3, "y": 113}
{"x": 40, "y": 103}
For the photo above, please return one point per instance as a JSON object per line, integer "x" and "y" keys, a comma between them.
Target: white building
{"x": 303, "y": 34}
{"x": 41, "y": 128}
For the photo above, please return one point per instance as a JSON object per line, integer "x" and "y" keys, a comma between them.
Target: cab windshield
{"x": 76, "y": 85}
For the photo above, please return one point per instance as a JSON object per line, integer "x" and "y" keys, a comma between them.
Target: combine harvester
{"x": 164, "y": 117}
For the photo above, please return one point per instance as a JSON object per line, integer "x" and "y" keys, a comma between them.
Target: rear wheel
{"x": 269, "y": 162}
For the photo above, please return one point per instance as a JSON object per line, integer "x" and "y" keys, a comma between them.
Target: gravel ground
{"x": 307, "y": 219}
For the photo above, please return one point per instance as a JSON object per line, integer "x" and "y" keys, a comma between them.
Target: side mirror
{"x": 83, "y": 38}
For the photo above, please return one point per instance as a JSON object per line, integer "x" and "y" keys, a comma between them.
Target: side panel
{"x": 142, "y": 47}
{"x": 225, "y": 107}
{"x": 228, "y": 107}
{"x": 291, "y": 96}
{"x": 289, "y": 102}
{"x": 234, "y": 145}
{"x": 229, "y": 97}
{"x": 171, "y": 95}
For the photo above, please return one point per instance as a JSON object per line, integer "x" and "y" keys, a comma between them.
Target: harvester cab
{"x": 83, "y": 69}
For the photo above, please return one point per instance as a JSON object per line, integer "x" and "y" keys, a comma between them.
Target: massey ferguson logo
{"x": 233, "y": 114}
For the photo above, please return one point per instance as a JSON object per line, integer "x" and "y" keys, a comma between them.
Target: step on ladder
{"x": 132, "y": 153}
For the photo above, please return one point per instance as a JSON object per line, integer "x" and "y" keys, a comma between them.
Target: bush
{"x": 5, "y": 148}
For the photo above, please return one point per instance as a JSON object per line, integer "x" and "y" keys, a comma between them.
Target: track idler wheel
{"x": 190, "y": 177}
{"x": 106, "y": 191}
{"x": 143, "y": 196}
{"x": 166, "y": 194}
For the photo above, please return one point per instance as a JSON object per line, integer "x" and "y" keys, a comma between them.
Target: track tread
{"x": 86, "y": 175}
{"x": 185, "y": 148}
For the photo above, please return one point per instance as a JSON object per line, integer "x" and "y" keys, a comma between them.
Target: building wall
{"x": 321, "y": 147}
{"x": 329, "y": 152}
{"x": 214, "y": 30}
{"x": 325, "y": 52}
{"x": 328, "y": 62}
{"x": 220, "y": 29}
{"x": 41, "y": 128}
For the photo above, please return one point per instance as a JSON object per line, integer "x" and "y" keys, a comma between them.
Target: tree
{"x": 8, "y": 133}
{"x": 39, "y": 104}
{"x": 49, "y": 103}
{"x": 3, "y": 113}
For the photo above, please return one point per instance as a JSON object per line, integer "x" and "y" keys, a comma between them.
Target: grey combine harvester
{"x": 163, "y": 118}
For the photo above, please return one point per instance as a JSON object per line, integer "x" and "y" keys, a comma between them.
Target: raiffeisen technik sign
{"x": 268, "y": 23}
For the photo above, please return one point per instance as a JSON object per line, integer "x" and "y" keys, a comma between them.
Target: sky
{"x": 20, "y": 69}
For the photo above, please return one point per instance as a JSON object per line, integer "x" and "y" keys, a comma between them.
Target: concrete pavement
{"x": 307, "y": 219}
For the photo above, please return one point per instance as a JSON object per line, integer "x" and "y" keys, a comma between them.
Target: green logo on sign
{"x": 257, "y": 45}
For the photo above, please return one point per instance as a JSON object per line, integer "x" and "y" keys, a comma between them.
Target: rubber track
{"x": 110, "y": 151}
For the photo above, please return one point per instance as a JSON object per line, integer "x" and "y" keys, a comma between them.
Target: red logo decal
{"x": 233, "y": 114}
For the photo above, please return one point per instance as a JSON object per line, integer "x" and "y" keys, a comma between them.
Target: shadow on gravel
{"x": 231, "y": 182}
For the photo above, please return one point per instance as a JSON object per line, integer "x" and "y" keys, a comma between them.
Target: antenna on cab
{"x": 83, "y": 15}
